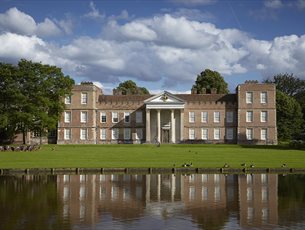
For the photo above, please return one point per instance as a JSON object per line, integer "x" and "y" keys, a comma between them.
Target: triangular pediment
{"x": 164, "y": 98}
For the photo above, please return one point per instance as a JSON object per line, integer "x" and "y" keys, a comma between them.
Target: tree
{"x": 130, "y": 87}
{"x": 209, "y": 79}
{"x": 289, "y": 116}
{"x": 33, "y": 95}
{"x": 288, "y": 83}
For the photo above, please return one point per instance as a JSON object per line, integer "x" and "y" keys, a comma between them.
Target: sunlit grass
{"x": 167, "y": 156}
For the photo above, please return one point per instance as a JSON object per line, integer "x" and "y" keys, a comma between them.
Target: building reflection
{"x": 209, "y": 199}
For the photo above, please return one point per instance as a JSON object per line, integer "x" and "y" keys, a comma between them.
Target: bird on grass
{"x": 243, "y": 165}
{"x": 187, "y": 165}
{"x": 252, "y": 166}
{"x": 226, "y": 165}
{"x": 284, "y": 165}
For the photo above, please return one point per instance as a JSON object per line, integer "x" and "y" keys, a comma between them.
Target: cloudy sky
{"x": 161, "y": 44}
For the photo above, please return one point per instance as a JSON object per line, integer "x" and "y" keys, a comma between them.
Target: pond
{"x": 154, "y": 201}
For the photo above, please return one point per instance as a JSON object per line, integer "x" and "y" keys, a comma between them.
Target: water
{"x": 199, "y": 201}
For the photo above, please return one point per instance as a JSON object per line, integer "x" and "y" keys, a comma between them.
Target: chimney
{"x": 203, "y": 91}
{"x": 213, "y": 91}
{"x": 194, "y": 90}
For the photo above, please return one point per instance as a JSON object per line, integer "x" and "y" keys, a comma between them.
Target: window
{"x": 229, "y": 116}
{"x": 191, "y": 117}
{"x": 68, "y": 100}
{"x": 115, "y": 117}
{"x": 249, "y": 134}
{"x": 83, "y": 116}
{"x": 249, "y": 117}
{"x": 67, "y": 117}
{"x": 67, "y": 134}
{"x": 263, "y": 97}
{"x": 216, "y": 134}
{"x": 216, "y": 117}
{"x": 249, "y": 97}
{"x": 264, "y": 116}
{"x": 83, "y": 134}
{"x": 84, "y": 98}
{"x": 127, "y": 134}
{"x": 263, "y": 134}
{"x": 204, "y": 134}
{"x": 204, "y": 117}
{"x": 127, "y": 117}
{"x": 115, "y": 134}
{"x": 103, "y": 134}
{"x": 139, "y": 134}
{"x": 139, "y": 118}
{"x": 229, "y": 133}
{"x": 103, "y": 117}
{"x": 191, "y": 134}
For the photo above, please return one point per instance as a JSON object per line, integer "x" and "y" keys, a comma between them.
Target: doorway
{"x": 165, "y": 136}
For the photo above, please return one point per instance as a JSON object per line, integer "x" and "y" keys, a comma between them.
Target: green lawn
{"x": 202, "y": 156}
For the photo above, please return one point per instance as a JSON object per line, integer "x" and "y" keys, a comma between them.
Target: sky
{"x": 159, "y": 44}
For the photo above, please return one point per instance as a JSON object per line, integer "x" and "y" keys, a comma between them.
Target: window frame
{"x": 204, "y": 116}
{"x": 115, "y": 134}
{"x": 103, "y": 134}
{"x": 229, "y": 133}
{"x": 67, "y": 133}
{"x": 67, "y": 116}
{"x": 204, "y": 134}
{"x": 229, "y": 117}
{"x": 68, "y": 100}
{"x": 216, "y": 117}
{"x": 216, "y": 133}
{"x": 103, "y": 116}
{"x": 264, "y": 99}
{"x": 84, "y": 98}
{"x": 83, "y": 114}
{"x": 139, "y": 131}
{"x": 264, "y": 118}
{"x": 249, "y": 97}
{"x": 127, "y": 133}
{"x": 192, "y": 134}
{"x": 115, "y": 117}
{"x": 139, "y": 117}
{"x": 191, "y": 117}
{"x": 249, "y": 134}
{"x": 264, "y": 136}
{"x": 127, "y": 115}
{"x": 83, "y": 131}
{"x": 249, "y": 118}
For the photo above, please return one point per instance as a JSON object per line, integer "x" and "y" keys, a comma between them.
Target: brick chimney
{"x": 213, "y": 91}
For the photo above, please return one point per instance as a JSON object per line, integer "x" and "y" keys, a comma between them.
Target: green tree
{"x": 288, "y": 83}
{"x": 209, "y": 79}
{"x": 289, "y": 116}
{"x": 129, "y": 87}
{"x": 33, "y": 96}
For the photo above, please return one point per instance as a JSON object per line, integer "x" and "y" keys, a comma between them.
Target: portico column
{"x": 148, "y": 140}
{"x": 181, "y": 125}
{"x": 159, "y": 125}
{"x": 172, "y": 126}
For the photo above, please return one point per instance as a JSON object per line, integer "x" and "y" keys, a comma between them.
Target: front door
{"x": 165, "y": 135}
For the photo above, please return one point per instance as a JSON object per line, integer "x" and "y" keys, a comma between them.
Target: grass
{"x": 123, "y": 156}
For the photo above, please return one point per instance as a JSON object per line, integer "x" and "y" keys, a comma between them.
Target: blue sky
{"x": 161, "y": 45}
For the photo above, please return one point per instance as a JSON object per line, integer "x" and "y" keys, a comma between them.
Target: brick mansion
{"x": 245, "y": 117}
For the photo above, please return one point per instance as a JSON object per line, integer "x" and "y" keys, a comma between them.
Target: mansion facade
{"x": 246, "y": 117}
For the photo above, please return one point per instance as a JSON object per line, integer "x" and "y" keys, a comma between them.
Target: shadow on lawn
{"x": 278, "y": 147}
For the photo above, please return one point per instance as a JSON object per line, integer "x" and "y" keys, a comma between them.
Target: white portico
{"x": 164, "y": 118}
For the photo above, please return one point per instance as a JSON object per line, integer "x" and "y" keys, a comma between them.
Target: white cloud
{"x": 94, "y": 13}
{"x": 18, "y": 22}
{"x": 273, "y": 4}
{"x": 193, "y": 14}
{"x": 166, "y": 49}
{"x": 194, "y": 2}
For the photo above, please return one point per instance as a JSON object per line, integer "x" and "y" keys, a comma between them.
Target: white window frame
{"x": 139, "y": 134}
{"x": 83, "y": 134}
{"x": 103, "y": 134}
{"x": 191, "y": 134}
{"x": 68, "y": 99}
{"x": 216, "y": 117}
{"x": 103, "y": 115}
{"x": 216, "y": 134}
{"x": 249, "y": 116}
{"x": 68, "y": 116}
{"x": 115, "y": 134}
{"x": 229, "y": 116}
{"x": 127, "y": 133}
{"x": 264, "y": 116}
{"x": 126, "y": 117}
{"x": 204, "y": 134}
{"x": 264, "y": 97}
{"x": 249, "y": 134}
{"x": 83, "y": 117}
{"x": 115, "y": 115}
{"x": 229, "y": 133}
{"x": 264, "y": 134}
{"x": 191, "y": 117}
{"x": 204, "y": 117}
{"x": 84, "y": 98}
{"x": 139, "y": 117}
{"x": 67, "y": 134}
{"x": 249, "y": 97}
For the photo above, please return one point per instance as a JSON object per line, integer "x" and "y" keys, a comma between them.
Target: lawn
{"x": 167, "y": 156}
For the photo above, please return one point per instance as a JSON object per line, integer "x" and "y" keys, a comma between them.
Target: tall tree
{"x": 130, "y": 87}
{"x": 37, "y": 98}
{"x": 288, "y": 83}
{"x": 209, "y": 79}
{"x": 289, "y": 116}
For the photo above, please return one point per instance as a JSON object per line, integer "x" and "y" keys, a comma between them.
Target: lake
{"x": 154, "y": 201}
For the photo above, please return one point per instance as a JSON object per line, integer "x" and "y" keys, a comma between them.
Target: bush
{"x": 297, "y": 144}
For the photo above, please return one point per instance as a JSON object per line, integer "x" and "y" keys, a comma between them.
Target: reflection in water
{"x": 207, "y": 201}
